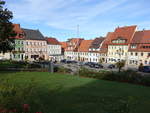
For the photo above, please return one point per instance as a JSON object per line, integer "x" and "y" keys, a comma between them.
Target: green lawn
{"x": 58, "y": 93}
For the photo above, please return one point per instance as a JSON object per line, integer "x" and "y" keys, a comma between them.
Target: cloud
{"x": 94, "y": 16}
{"x": 59, "y": 13}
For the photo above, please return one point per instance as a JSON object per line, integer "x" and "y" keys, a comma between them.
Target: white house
{"x": 53, "y": 49}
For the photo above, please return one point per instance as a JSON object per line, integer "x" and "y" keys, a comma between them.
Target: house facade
{"x": 83, "y": 51}
{"x": 71, "y": 51}
{"x": 118, "y": 44}
{"x": 139, "y": 49}
{"x": 53, "y": 49}
{"x": 104, "y": 48}
{"x": 94, "y": 55}
{"x": 35, "y": 45}
{"x": 18, "y": 53}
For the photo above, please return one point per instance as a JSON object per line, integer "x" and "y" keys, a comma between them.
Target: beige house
{"x": 35, "y": 45}
{"x": 139, "y": 50}
{"x": 118, "y": 44}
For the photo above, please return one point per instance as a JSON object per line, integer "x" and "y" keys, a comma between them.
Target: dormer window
{"x": 119, "y": 40}
{"x": 133, "y": 46}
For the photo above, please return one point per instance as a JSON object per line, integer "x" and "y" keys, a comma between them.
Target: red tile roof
{"x": 52, "y": 41}
{"x": 85, "y": 45}
{"x": 75, "y": 40}
{"x": 126, "y": 33}
{"x": 104, "y": 46}
{"x": 18, "y": 30}
{"x": 63, "y": 45}
{"x": 73, "y": 44}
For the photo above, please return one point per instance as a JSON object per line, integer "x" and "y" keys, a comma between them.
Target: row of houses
{"x": 125, "y": 43}
{"x": 32, "y": 45}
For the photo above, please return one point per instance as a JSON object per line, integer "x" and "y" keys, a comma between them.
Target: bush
{"x": 62, "y": 70}
{"x": 33, "y": 66}
{"x": 128, "y": 76}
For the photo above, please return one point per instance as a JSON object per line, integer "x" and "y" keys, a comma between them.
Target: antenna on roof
{"x": 78, "y": 31}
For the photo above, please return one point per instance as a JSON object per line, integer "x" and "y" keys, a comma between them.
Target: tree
{"x": 6, "y": 29}
{"x": 101, "y": 60}
{"x": 120, "y": 65}
{"x": 140, "y": 67}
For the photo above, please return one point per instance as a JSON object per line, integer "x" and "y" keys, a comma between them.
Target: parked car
{"x": 98, "y": 66}
{"x": 63, "y": 61}
{"x": 68, "y": 61}
{"x": 73, "y": 61}
{"x": 111, "y": 66}
{"x": 87, "y": 63}
{"x": 80, "y": 63}
{"x": 145, "y": 69}
{"x": 95, "y": 65}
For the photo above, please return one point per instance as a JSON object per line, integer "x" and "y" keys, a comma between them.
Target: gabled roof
{"x": 96, "y": 42}
{"x": 17, "y": 28}
{"x": 126, "y": 33}
{"x": 145, "y": 34}
{"x": 18, "y": 31}
{"x": 73, "y": 44}
{"x": 31, "y": 34}
{"x": 52, "y": 41}
{"x": 84, "y": 46}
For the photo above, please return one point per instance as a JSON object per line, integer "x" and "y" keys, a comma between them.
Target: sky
{"x": 61, "y": 18}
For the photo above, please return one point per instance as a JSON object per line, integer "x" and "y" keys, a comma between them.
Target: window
{"x": 145, "y": 61}
{"x": 136, "y": 54}
{"x": 133, "y": 46}
{"x": 131, "y": 53}
{"x": 119, "y": 40}
{"x": 141, "y": 54}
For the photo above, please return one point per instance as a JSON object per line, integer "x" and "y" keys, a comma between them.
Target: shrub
{"x": 128, "y": 76}
{"x": 63, "y": 70}
{"x": 33, "y": 66}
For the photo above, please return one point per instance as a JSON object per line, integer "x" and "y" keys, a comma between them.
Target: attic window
{"x": 146, "y": 47}
{"x": 119, "y": 40}
{"x": 133, "y": 46}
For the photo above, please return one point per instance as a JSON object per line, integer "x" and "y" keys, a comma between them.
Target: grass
{"x": 58, "y": 93}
